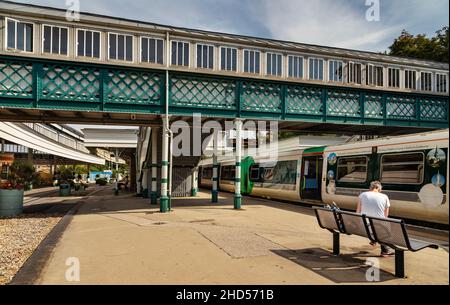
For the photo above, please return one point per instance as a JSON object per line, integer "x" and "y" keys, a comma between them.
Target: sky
{"x": 337, "y": 23}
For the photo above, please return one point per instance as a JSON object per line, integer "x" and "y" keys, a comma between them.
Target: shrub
{"x": 101, "y": 181}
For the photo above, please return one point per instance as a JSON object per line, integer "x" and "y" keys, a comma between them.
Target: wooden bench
{"x": 385, "y": 231}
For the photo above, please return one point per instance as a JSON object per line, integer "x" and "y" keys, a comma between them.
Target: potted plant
{"x": 65, "y": 182}
{"x": 12, "y": 191}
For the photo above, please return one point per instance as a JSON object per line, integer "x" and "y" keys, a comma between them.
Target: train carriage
{"x": 413, "y": 170}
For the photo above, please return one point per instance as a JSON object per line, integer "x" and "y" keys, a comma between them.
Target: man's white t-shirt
{"x": 374, "y": 204}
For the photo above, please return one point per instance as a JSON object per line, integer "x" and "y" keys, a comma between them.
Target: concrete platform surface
{"x": 123, "y": 240}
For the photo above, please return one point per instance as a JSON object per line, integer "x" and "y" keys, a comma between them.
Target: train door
{"x": 311, "y": 177}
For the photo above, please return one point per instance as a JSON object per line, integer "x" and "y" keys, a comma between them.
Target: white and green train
{"x": 413, "y": 170}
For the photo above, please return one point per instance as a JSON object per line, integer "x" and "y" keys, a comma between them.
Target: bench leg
{"x": 399, "y": 264}
{"x": 336, "y": 243}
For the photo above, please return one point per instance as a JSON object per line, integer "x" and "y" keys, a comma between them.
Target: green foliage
{"x": 22, "y": 175}
{"x": 422, "y": 47}
{"x": 101, "y": 181}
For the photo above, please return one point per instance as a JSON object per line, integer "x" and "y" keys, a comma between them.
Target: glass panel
{"x": 81, "y": 43}
{"x": 205, "y": 57}
{"x": 280, "y": 65}
{"x": 89, "y": 43}
{"x": 211, "y": 58}
{"x": 160, "y": 51}
{"x": 11, "y": 34}
{"x": 29, "y": 35}
{"x": 96, "y": 48}
{"x": 223, "y": 61}
{"x": 129, "y": 48}
{"x": 257, "y": 62}
{"x": 252, "y": 62}
{"x": 352, "y": 169}
{"x": 186, "y": 54}
{"x": 174, "y": 53}
{"x": 120, "y": 47}
{"x": 180, "y": 53}
{"x": 269, "y": 64}
{"x": 199, "y": 56}
{"x": 246, "y": 61}
{"x": 64, "y": 37}
{"x": 402, "y": 168}
{"x": 55, "y": 40}
{"x": 144, "y": 49}
{"x": 20, "y": 36}
{"x": 47, "y": 38}
{"x": 152, "y": 50}
{"x": 234, "y": 60}
{"x": 113, "y": 46}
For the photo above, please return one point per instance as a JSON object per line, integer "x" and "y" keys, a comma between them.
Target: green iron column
{"x": 154, "y": 167}
{"x": 215, "y": 180}
{"x": 194, "y": 191}
{"x": 164, "y": 201}
{"x": 237, "y": 194}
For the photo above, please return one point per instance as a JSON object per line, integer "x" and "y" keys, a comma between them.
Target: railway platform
{"x": 123, "y": 240}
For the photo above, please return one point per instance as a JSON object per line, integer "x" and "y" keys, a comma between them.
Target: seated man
{"x": 374, "y": 203}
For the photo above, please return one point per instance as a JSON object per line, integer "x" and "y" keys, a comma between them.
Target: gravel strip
{"x": 19, "y": 237}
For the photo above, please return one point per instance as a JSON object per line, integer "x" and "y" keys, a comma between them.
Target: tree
{"x": 422, "y": 47}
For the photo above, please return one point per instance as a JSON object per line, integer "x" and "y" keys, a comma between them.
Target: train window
{"x": 254, "y": 173}
{"x": 285, "y": 172}
{"x": 267, "y": 174}
{"x": 352, "y": 169}
{"x": 402, "y": 168}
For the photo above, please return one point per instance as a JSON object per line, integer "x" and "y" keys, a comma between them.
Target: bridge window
{"x": 88, "y": 43}
{"x": 354, "y": 73}
{"x": 228, "y": 59}
{"x": 205, "y": 56}
{"x": 410, "y": 79}
{"x": 374, "y": 75}
{"x": 252, "y": 61}
{"x": 315, "y": 69}
{"x": 180, "y": 53}
{"x": 335, "y": 70}
{"x": 55, "y": 39}
{"x": 152, "y": 50}
{"x": 19, "y": 35}
{"x": 295, "y": 66}
{"x": 441, "y": 83}
{"x": 394, "y": 77}
{"x": 120, "y": 47}
{"x": 274, "y": 64}
{"x": 352, "y": 169}
{"x": 402, "y": 168}
{"x": 426, "y": 81}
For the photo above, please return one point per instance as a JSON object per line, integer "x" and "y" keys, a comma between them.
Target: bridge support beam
{"x": 215, "y": 180}
{"x": 237, "y": 195}
{"x": 154, "y": 167}
{"x": 164, "y": 201}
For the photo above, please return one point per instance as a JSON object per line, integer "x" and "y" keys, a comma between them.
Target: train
{"x": 413, "y": 170}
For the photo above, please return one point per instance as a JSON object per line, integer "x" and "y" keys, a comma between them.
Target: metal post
{"x": 164, "y": 201}
{"x": 154, "y": 193}
{"x": 336, "y": 243}
{"x": 117, "y": 170}
{"x": 237, "y": 194}
{"x": 215, "y": 180}
{"x": 194, "y": 191}
{"x": 399, "y": 263}
{"x": 3, "y": 146}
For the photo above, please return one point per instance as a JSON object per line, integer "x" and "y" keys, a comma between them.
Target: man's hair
{"x": 376, "y": 185}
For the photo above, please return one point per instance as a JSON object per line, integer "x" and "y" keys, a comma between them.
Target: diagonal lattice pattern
{"x": 74, "y": 83}
{"x": 401, "y": 107}
{"x": 434, "y": 109}
{"x": 16, "y": 79}
{"x": 373, "y": 106}
{"x": 125, "y": 87}
{"x": 304, "y": 100}
{"x": 263, "y": 97}
{"x": 203, "y": 93}
{"x": 343, "y": 103}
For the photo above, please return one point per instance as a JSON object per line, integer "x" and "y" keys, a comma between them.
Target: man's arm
{"x": 386, "y": 213}
{"x": 358, "y": 208}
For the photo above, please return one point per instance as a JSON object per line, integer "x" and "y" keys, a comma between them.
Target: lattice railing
{"x": 433, "y": 109}
{"x": 16, "y": 79}
{"x": 304, "y": 100}
{"x": 261, "y": 97}
{"x": 373, "y": 106}
{"x": 63, "y": 82}
{"x": 133, "y": 87}
{"x": 401, "y": 107}
{"x": 203, "y": 93}
{"x": 343, "y": 103}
